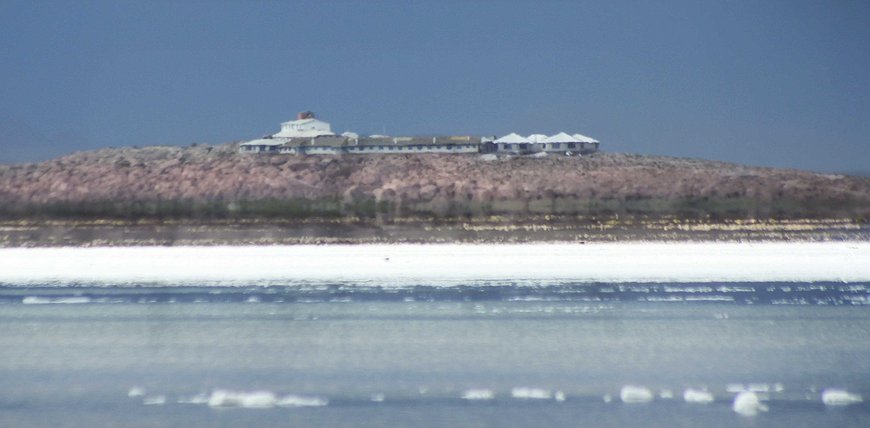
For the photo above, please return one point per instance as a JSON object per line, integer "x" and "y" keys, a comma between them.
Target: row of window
{"x": 390, "y": 148}
{"x": 525, "y": 146}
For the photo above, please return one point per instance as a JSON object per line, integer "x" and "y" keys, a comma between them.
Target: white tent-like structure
{"x": 537, "y": 138}
{"x": 584, "y": 139}
{"x": 561, "y": 137}
{"x": 512, "y": 138}
{"x": 512, "y": 143}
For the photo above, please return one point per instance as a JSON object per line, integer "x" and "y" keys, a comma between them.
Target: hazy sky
{"x": 776, "y": 83}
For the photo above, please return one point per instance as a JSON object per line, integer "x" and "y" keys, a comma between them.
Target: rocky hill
{"x": 215, "y": 182}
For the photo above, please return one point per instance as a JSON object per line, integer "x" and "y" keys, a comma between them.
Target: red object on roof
{"x": 305, "y": 115}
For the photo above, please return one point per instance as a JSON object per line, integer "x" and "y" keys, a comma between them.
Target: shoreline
{"x": 545, "y": 229}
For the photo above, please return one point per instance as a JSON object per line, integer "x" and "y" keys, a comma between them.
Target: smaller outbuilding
{"x": 587, "y": 144}
{"x": 262, "y": 145}
{"x": 561, "y": 142}
{"x": 512, "y": 143}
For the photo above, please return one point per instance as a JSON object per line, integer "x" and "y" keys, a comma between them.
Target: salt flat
{"x": 442, "y": 264}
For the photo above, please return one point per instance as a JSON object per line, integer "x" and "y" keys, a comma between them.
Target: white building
{"x": 307, "y": 135}
{"x": 261, "y": 145}
{"x": 559, "y": 143}
{"x": 305, "y": 126}
{"x": 512, "y": 143}
{"x": 587, "y": 143}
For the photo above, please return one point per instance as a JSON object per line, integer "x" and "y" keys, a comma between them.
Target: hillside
{"x": 215, "y": 182}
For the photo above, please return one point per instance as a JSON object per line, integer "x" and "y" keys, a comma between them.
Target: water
{"x": 507, "y": 355}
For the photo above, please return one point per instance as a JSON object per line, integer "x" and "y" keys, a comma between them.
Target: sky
{"x": 770, "y": 83}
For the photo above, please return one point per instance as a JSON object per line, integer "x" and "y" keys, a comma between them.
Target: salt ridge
{"x": 441, "y": 264}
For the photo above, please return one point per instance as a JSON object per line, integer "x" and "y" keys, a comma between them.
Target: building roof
{"x": 512, "y": 138}
{"x": 584, "y": 139}
{"x": 264, "y": 142}
{"x": 303, "y": 121}
{"x": 341, "y": 141}
{"x": 537, "y": 138}
{"x": 561, "y": 138}
{"x": 418, "y": 141}
{"x": 307, "y": 127}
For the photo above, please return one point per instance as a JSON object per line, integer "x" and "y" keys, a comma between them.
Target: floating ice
{"x": 300, "y": 401}
{"x": 607, "y": 398}
{"x": 666, "y": 394}
{"x": 36, "y": 300}
{"x": 560, "y": 396}
{"x": 478, "y": 394}
{"x": 747, "y": 403}
{"x": 531, "y": 393}
{"x": 136, "y": 392}
{"x": 377, "y": 398}
{"x": 839, "y": 397}
{"x": 255, "y": 400}
{"x": 699, "y": 396}
{"x": 759, "y": 387}
{"x": 635, "y": 394}
{"x": 154, "y": 400}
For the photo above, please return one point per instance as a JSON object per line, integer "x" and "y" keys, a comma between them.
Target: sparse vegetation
{"x": 214, "y": 183}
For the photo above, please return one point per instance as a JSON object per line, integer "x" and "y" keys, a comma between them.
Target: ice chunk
{"x": 700, "y": 396}
{"x": 560, "y": 396}
{"x": 136, "y": 392}
{"x": 839, "y": 397}
{"x": 666, "y": 394}
{"x": 531, "y": 393}
{"x": 300, "y": 401}
{"x": 254, "y": 400}
{"x": 478, "y": 394}
{"x": 36, "y": 300}
{"x": 377, "y": 398}
{"x": 635, "y": 394}
{"x": 747, "y": 403}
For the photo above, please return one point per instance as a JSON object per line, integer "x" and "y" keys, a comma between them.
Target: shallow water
{"x": 334, "y": 355}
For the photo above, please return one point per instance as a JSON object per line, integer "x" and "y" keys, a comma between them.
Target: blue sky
{"x": 773, "y": 83}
